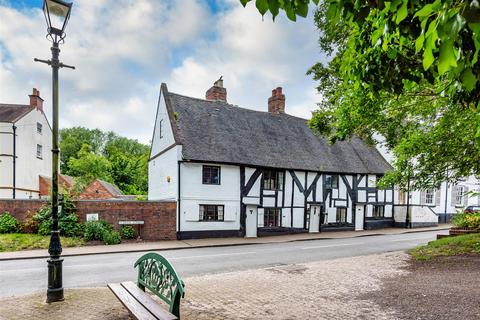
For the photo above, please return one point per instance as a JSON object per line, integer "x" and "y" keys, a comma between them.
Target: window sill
{"x": 41, "y": 158}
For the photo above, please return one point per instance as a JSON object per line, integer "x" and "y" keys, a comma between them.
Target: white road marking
{"x": 212, "y": 255}
{"x": 331, "y": 245}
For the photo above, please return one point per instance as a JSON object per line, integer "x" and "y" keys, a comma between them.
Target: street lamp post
{"x": 57, "y": 13}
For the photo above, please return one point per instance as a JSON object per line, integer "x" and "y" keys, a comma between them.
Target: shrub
{"x": 30, "y": 225}
{"x": 8, "y": 223}
{"x": 111, "y": 237}
{"x": 94, "y": 230}
{"x": 67, "y": 219}
{"x": 127, "y": 232}
{"x": 466, "y": 220}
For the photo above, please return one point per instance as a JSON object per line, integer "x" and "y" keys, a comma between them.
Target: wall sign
{"x": 92, "y": 216}
{"x": 131, "y": 222}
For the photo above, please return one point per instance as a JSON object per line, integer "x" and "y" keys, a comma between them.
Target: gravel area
{"x": 444, "y": 288}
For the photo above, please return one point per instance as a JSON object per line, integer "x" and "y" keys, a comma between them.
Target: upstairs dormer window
{"x": 272, "y": 180}
{"x": 39, "y": 151}
{"x": 331, "y": 181}
{"x": 211, "y": 175}
{"x": 39, "y": 128}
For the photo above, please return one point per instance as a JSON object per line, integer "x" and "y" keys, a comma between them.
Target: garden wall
{"x": 158, "y": 217}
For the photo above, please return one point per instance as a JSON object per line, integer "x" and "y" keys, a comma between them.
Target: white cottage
{"x": 239, "y": 172}
{"x": 25, "y": 144}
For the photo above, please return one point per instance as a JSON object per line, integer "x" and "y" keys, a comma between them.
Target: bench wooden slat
{"x": 135, "y": 308}
{"x": 144, "y": 299}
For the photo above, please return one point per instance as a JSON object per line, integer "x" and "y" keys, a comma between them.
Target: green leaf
{"x": 291, "y": 13}
{"x": 262, "y": 6}
{"x": 419, "y": 42}
{"x": 425, "y": 11}
{"x": 302, "y": 9}
{"x": 316, "y": 2}
{"x": 274, "y": 7}
{"x": 244, "y": 2}
{"x": 332, "y": 12}
{"x": 448, "y": 58}
{"x": 402, "y": 12}
{"x": 469, "y": 80}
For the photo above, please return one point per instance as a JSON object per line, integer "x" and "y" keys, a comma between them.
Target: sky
{"x": 124, "y": 49}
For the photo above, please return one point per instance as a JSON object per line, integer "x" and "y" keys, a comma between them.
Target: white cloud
{"x": 123, "y": 50}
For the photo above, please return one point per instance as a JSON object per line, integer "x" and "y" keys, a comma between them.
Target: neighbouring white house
{"x": 238, "y": 172}
{"x": 25, "y": 144}
{"x": 426, "y": 207}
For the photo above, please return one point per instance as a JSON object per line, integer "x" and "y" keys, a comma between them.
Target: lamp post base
{"x": 55, "y": 287}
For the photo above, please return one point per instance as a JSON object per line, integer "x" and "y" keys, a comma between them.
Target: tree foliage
{"x": 92, "y": 154}
{"x": 406, "y": 71}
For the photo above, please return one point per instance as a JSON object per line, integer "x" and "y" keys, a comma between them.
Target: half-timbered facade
{"x": 239, "y": 172}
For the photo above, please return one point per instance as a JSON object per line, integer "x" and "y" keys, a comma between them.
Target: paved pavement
{"x": 332, "y": 289}
{"x": 18, "y": 277}
{"x": 201, "y": 243}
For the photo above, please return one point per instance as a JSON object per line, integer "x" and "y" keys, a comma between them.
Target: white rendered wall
{"x": 28, "y": 166}
{"x": 194, "y": 193}
{"x": 163, "y": 175}
{"x": 162, "y": 132}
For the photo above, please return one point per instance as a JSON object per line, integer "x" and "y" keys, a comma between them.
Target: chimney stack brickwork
{"x": 217, "y": 92}
{"x": 35, "y": 100}
{"x": 276, "y": 103}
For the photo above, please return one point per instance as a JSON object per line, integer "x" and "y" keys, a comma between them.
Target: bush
{"x": 111, "y": 237}
{"x": 466, "y": 220}
{"x": 30, "y": 225}
{"x": 8, "y": 223}
{"x": 94, "y": 230}
{"x": 67, "y": 220}
{"x": 101, "y": 230}
{"x": 127, "y": 232}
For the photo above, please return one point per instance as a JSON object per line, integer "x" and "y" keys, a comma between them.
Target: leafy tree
{"x": 88, "y": 166}
{"x": 407, "y": 70}
{"x": 95, "y": 154}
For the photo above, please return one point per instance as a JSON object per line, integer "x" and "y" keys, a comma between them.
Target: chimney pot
{"x": 35, "y": 100}
{"x": 217, "y": 92}
{"x": 276, "y": 103}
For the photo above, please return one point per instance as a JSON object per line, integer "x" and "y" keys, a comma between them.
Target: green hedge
{"x": 8, "y": 223}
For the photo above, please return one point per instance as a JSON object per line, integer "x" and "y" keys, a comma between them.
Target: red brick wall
{"x": 159, "y": 217}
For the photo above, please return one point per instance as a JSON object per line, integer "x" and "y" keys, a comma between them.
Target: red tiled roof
{"x": 13, "y": 112}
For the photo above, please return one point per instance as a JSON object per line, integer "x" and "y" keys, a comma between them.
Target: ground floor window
{"x": 341, "y": 215}
{"x": 271, "y": 217}
{"x": 378, "y": 211}
{"x": 430, "y": 197}
{"x": 210, "y": 212}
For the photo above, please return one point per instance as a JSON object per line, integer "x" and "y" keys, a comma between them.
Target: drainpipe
{"x": 14, "y": 128}
{"x": 178, "y": 201}
{"x": 407, "y": 220}
{"x": 446, "y": 199}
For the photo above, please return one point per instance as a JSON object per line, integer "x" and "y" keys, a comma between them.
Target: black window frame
{"x": 376, "y": 216}
{"x": 39, "y": 128}
{"x": 210, "y": 181}
{"x": 273, "y": 180}
{"x": 202, "y": 217}
{"x": 276, "y": 213}
{"x": 339, "y": 209}
{"x": 160, "y": 128}
{"x": 333, "y": 183}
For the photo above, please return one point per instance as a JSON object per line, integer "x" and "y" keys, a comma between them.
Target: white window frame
{"x": 39, "y": 128}
{"x": 39, "y": 151}
{"x": 430, "y": 197}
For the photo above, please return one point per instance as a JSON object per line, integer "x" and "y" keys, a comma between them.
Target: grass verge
{"x": 449, "y": 246}
{"x": 23, "y": 241}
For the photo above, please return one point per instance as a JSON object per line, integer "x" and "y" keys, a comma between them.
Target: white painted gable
{"x": 162, "y": 133}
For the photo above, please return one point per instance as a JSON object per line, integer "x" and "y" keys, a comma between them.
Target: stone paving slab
{"x": 212, "y": 242}
{"x": 320, "y": 290}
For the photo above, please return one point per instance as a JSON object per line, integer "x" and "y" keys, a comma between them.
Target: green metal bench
{"x": 157, "y": 275}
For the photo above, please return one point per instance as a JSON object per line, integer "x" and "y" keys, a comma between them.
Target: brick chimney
{"x": 217, "y": 92}
{"x": 35, "y": 100}
{"x": 276, "y": 103}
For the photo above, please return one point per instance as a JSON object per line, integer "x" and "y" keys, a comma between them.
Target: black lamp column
{"x": 56, "y": 14}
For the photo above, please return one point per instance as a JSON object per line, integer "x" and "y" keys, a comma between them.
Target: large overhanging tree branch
{"x": 405, "y": 70}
